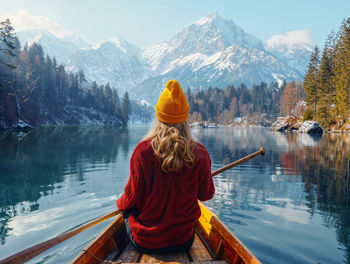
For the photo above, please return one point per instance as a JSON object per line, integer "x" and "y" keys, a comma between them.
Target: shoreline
{"x": 212, "y": 125}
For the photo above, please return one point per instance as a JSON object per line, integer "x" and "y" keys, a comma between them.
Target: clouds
{"x": 291, "y": 38}
{"x": 23, "y": 20}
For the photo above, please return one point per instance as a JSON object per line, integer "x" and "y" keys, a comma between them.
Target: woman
{"x": 169, "y": 171}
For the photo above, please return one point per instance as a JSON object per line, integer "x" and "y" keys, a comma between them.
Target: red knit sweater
{"x": 166, "y": 203}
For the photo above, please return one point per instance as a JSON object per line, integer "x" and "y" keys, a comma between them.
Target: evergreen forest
{"x": 259, "y": 105}
{"x": 35, "y": 90}
{"x": 327, "y": 82}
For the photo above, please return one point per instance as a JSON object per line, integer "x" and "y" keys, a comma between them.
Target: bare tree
{"x": 23, "y": 93}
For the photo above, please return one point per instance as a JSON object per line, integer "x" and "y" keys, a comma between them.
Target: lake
{"x": 289, "y": 206}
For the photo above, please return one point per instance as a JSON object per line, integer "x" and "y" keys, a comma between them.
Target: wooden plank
{"x": 219, "y": 250}
{"x": 178, "y": 257}
{"x": 217, "y": 230}
{"x": 130, "y": 254}
{"x": 201, "y": 232}
{"x": 102, "y": 244}
{"x": 198, "y": 251}
{"x": 232, "y": 242}
{"x": 209, "y": 237}
{"x": 214, "y": 243}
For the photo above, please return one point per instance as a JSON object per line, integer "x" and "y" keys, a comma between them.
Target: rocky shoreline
{"x": 292, "y": 123}
{"x": 282, "y": 124}
{"x": 296, "y": 124}
{"x": 201, "y": 124}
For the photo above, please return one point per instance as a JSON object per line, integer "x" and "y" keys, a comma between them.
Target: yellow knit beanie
{"x": 172, "y": 106}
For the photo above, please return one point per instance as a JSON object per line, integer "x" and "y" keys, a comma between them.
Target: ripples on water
{"x": 289, "y": 206}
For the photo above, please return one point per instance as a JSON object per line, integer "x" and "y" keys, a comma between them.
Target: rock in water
{"x": 22, "y": 126}
{"x": 310, "y": 127}
{"x": 203, "y": 125}
{"x": 288, "y": 123}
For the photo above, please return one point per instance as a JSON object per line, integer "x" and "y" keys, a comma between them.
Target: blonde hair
{"x": 173, "y": 144}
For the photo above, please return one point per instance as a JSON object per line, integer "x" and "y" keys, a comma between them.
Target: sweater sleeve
{"x": 134, "y": 189}
{"x": 206, "y": 185}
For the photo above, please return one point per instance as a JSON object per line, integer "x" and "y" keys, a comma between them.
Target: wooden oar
{"x": 261, "y": 151}
{"x": 35, "y": 250}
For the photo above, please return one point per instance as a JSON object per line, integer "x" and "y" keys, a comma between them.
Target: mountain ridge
{"x": 60, "y": 48}
{"x": 212, "y": 51}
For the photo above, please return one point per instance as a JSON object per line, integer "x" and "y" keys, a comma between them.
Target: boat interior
{"x": 213, "y": 243}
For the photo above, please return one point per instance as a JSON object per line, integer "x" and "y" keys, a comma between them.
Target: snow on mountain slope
{"x": 115, "y": 61}
{"x": 234, "y": 65}
{"x": 210, "y": 52}
{"x": 207, "y": 36}
{"x": 215, "y": 52}
{"x": 294, "y": 48}
{"x": 59, "y": 47}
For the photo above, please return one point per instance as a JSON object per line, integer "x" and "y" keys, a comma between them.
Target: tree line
{"x": 324, "y": 95}
{"x": 37, "y": 90}
{"x": 258, "y": 104}
{"x": 327, "y": 82}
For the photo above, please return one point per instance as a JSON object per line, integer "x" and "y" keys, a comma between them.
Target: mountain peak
{"x": 60, "y": 48}
{"x": 210, "y": 34}
{"x": 118, "y": 41}
{"x": 213, "y": 14}
{"x": 209, "y": 18}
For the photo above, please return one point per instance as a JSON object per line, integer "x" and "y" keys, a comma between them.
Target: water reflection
{"x": 289, "y": 206}
{"x": 32, "y": 164}
{"x": 326, "y": 177}
{"x": 302, "y": 180}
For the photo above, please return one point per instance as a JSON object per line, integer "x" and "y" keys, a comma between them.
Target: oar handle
{"x": 261, "y": 151}
{"x": 35, "y": 250}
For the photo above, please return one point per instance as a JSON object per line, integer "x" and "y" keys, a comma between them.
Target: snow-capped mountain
{"x": 115, "y": 61}
{"x": 294, "y": 48}
{"x": 296, "y": 56}
{"x": 235, "y": 65}
{"x": 211, "y": 52}
{"x": 208, "y": 36}
{"x": 59, "y": 47}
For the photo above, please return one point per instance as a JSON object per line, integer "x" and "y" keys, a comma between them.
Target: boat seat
{"x": 197, "y": 254}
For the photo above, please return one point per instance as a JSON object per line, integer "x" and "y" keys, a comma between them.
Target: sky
{"x": 144, "y": 23}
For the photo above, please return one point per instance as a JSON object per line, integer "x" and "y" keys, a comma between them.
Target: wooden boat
{"x": 214, "y": 243}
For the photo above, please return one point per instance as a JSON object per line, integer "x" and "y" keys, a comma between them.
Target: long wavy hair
{"x": 173, "y": 144}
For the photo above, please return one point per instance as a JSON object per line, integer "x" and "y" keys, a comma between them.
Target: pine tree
{"x": 311, "y": 82}
{"x": 115, "y": 96}
{"x": 325, "y": 89}
{"x": 81, "y": 77}
{"x": 341, "y": 78}
{"x": 9, "y": 48}
{"x": 108, "y": 92}
{"x": 8, "y": 43}
{"x": 126, "y": 107}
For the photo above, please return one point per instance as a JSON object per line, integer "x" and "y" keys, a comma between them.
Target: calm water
{"x": 289, "y": 206}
